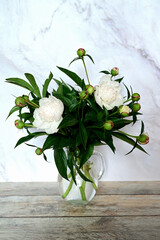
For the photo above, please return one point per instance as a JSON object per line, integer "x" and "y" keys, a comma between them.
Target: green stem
{"x": 28, "y": 125}
{"x": 127, "y": 134}
{"x": 112, "y": 114}
{"x": 90, "y": 178}
{"x": 32, "y": 103}
{"x": 85, "y": 70}
{"x": 82, "y": 190}
{"x": 95, "y": 127}
{"x": 68, "y": 189}
{"x": 128, "y": 100}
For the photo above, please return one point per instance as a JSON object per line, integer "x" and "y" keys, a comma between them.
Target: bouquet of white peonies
{"x": 77, "y": 119}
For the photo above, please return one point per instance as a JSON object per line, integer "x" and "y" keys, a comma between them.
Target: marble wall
{"x": 38, "y": 35}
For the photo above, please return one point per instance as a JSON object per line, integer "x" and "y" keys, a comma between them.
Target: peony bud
{"x": 124, "y": 111}
{"x": 114, "y": 71}
{"x": 143, "y": 138}
{"x": 26, "y": 97}
{"x": 19, "y": 124}
{"x": 135, "y": 97}
{"x": 81, "y": 52}
{"x": 84, "y": 95}
{"x": 20, "y": 102}
{"x": 90, "y": 89}
{"x": 136, "y": 107}
{"x": 38, "y": 151}
{"x": 108, "y": 125}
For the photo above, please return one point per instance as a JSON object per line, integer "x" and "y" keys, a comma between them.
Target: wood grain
{"x": 104, "y": 188}
{"x": 101, "y": 205}
{"x": 71, "y": 228}
{"x": 119, "y": 211}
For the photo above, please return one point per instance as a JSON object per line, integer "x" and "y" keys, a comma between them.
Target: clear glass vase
{"x": 84, "y": 191}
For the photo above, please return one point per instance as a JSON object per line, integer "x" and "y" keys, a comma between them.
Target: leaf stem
{"x": 32, "y": 103}
{"x": 112, "y": 114}
{"x": 28, "y": 125}
{"x": 127, "y": 100}
{"x": 90, "y": 178}
{"x": 82, "y": 190}
{"x": 68, "y": 189}
{"x": 127, "y": 134}
{"x": 85, "y": 69}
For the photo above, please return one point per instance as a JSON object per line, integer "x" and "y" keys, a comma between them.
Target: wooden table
{"x": 119, "y": 211}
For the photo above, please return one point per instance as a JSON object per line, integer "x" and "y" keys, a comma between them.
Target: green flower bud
{"x": 26, "y": 97}
{"x": 38, "y": 151}
{"x": 108, "y": 125}
{"x": 114, "y": 71}
{"x": 124, "y": 111}
{"x": 84, "y": 95}
{"x": 136, "y": 107}
{"x": 81, "y": 52}
{"x": 20, "y": 101}
{"x": 143, "y": 138}
{"x": 90, "y": 89}
{"x": 135, "y": 97}
{"x": 19, "y": 124}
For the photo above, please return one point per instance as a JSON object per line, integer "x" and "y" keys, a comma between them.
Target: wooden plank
{"x": 51, "y": 188}
{"x": 101, "y": 205}
{"x": 71, "y": 228}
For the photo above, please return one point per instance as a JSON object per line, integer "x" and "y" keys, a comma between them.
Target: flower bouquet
{"x": 75, "y": 120}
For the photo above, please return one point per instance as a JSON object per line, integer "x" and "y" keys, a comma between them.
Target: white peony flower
{"x": 108, "y": 93}
{"x": 49, "y": 114}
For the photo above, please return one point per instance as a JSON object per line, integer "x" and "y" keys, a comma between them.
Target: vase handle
{"x": 100, "y": 166}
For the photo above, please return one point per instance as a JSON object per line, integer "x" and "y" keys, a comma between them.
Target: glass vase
{"x": 84, "y": 191}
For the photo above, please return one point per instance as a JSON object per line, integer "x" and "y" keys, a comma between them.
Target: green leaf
{"x": 29, "y": 137}
{"x": 32, "y": 81}
{"x": 20, "y": 82}
{"x": 73, "y": 106}
{"x": 119, "y": 80}
{"x": 128, "y": 140}
{"x": 66, "y": 89}
{"x": 128, "y": 92}
{"x": 106, "y": 113}
{"x": 74, "y": 77}
{"x": 61, "y": 162}
{"x": 134, "y": 117}
{"x": 106, "y": 137}
{"x": 45, "y": 157}
{"x": 14, "y": 109}
{"x": 30, "y": 145}
{"x": 90, "y": 116}
{"x": 27, "y": 116}
{"x": 83, "y": 134}
{"x": 68, "y": 121}
{"x": 131, "y": 90}
{"x": 75, "y": 59}
{"x": 82, "y": 175}
{"x": 57, "y": 140}
{"x": 105, "y": 72}
{"x": 120, "y": 123}
{"x": 133, "y": 147}
{"x": 142, "y": 127}
{"x": 93, "y": 104}
{"x": 64, "y": 99}
{"x": 46, "y": 84}
{"x": 86, "y": 154}
{"x": 89, "y": 57}
{"x": 60, "y": 89}
{"x": 70, "y": 165}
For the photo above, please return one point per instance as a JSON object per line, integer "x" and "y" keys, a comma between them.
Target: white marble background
{"x": 38, "y": 35}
